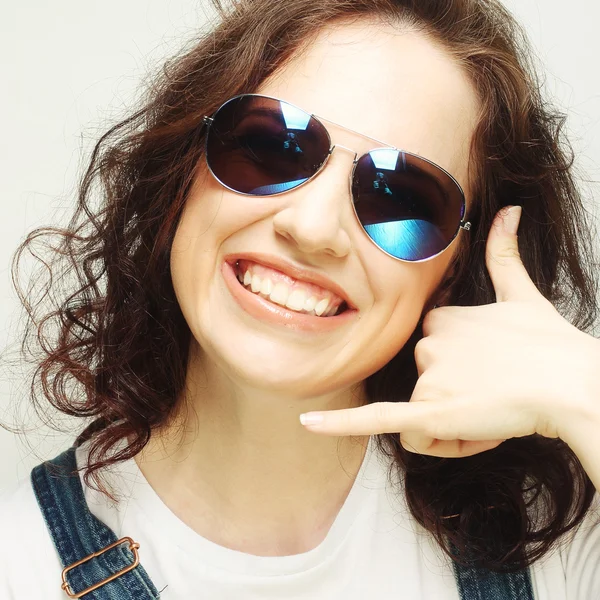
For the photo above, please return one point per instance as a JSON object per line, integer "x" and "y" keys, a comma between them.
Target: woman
{"x": 310, "y": 215}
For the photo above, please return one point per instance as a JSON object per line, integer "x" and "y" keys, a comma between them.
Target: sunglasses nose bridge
{"x": 345, "y": 148}
{"x": 355, "y": 160}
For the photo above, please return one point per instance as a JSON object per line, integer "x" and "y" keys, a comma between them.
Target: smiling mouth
{"x": 283, "y": 291}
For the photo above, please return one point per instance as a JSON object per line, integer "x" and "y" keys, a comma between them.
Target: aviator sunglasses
{"x": 411, "y": 208}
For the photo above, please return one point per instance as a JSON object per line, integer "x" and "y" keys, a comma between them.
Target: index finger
{"x": 378, "y": 417}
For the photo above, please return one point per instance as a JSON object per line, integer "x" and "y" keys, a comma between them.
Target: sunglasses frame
{"x": 466, "y": 225}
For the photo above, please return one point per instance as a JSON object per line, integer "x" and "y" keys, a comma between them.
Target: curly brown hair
{"x": 114, "y": 347}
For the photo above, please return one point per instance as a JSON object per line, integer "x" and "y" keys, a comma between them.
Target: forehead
{"x": 393, "y": 85}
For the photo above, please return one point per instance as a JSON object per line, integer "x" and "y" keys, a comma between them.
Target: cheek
{"x": 406, "y": 287}
{"x": 193, "y": 249}
{"x": 211, "y": 215}
{"x": 183, "y": 267}
{"x": 404, "y": 298}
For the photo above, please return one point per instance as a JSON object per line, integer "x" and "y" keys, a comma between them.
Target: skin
{"x": 235, "y": 464}
{"x": 530, "y": 372}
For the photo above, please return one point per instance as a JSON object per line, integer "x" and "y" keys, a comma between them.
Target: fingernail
{"x": 510, "y": 219}
{"x": 311, "y": 419}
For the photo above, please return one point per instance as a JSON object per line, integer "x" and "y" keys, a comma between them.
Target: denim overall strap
{"x": 77, "y": 534}
{"x": 481, "y": 584}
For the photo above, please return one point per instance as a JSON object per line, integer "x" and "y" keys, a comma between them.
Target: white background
{"x": 71, "y": 68}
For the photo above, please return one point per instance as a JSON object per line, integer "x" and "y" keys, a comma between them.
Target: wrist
{"x": 582, "y": 414}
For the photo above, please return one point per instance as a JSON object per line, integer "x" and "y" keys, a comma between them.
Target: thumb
{"x": 509, "y": 276}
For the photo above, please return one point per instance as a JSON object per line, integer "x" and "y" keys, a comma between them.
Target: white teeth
{"x": 256, "y": 283}
{"x": 321, "y": 306}
{"x": 310, "y": 303}
{"x": 296, "y": 300}
{"x": 280, "y": 294}
{"x": 266, "y": 287}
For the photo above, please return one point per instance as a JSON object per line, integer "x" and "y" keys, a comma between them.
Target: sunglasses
{"x": 408, "y": 206}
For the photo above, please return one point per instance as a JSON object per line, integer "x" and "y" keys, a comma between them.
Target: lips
{"x": 295, "y": 272}
{"x": 263, "y": 310}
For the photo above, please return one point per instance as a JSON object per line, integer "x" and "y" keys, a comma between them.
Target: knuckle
{"x": 439, "y": 427}
{"x": 423, "y": 349}
{"x": 505, "y": 255}
{"x": 429, "y": 320}
{"x": 426, "y": 388}
{"x": 439, "y": 431}
{"x": 410, "y": 444}
{"x": 383, "y": 412}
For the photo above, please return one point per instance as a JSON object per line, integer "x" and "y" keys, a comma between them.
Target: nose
{"x": 319, "y": 213}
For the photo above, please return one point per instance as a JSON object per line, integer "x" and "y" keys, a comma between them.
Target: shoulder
{"x": 26, "y": 548}
{"x": 581, "y": 555}
{"x": 571, "y": 569}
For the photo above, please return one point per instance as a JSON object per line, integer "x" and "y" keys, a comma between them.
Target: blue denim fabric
{"x": 480, "y": 584}
{"x": 77, "y": 533}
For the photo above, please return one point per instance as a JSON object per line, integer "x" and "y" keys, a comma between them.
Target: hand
{"x": 488, "y": 373}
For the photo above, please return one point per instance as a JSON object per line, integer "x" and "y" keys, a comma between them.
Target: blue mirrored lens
{"x": 408, "y": 206}
{"x": 409, "y": 240}
{"x": 276, "y": 188}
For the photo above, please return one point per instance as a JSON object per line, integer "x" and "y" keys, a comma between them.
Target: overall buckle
{"x": 133, "y": 546}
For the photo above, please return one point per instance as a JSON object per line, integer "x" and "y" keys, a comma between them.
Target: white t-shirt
{"x": 374, "y": 549}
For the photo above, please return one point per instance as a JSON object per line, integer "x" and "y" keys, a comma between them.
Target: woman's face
{"x": 395, "y": 86}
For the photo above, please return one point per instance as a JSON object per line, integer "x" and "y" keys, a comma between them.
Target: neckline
{"x": 160, "y": 522}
